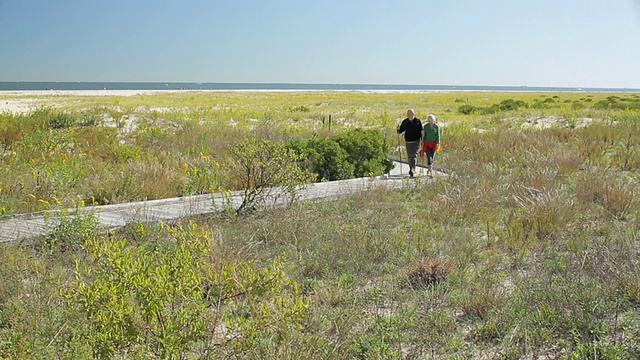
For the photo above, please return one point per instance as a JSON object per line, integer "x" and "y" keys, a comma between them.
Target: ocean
{"x": 25, "y": 85}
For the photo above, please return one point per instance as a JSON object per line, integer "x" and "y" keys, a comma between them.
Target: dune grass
{"x": 529, "y": 250}
{"x": 116, "y": 149}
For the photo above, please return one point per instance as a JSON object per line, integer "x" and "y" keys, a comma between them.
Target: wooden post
{"x": 329, "y": 123}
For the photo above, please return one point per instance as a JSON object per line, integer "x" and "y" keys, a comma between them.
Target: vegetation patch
{"x": 427, "y": 273}
{"x": 529, "y": 251}
{"x": 353, "y": 153}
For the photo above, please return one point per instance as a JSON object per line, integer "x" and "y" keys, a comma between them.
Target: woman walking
{"x": 430, "y": 141}
{"x": 412, "y": 129}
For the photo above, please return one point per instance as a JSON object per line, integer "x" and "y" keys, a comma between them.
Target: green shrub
{"x": 149, "y": 296}
{"x": 368, "y": 151}
{"x": 505, "y": 105}
{"x": 262, "y": 305}
{"x": 539, "y": 105}
{"x": 266, "y": 171}
{"x": 468, "y": 109}
{"x": 61, "y": 120}
{"x": 602, "y": 105}
{"x": 510, "y": 104}
{"x": 616, "y": 103}
{"x": 203, "y": 176}
{"x": 168, "y": 297}
{"x": 299, "y": 108}
{"x": 353, "y": 153}
{"x": 68, "y": 231}
{"x": 577, "y": 105}
{"x": 329, "y": 160}
{"x": 88, "y": 119}
{"x": 490, "y": 109}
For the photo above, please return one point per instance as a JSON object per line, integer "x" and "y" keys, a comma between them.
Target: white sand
{"x": 82, "y": 92}
{"x": 19, "y": 102}
{"x": 18, "y": 106}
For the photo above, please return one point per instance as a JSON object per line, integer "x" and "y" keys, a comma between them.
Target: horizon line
{"x": 329, "y": 84}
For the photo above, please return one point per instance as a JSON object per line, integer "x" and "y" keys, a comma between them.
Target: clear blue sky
{"x": 574, "y": 43}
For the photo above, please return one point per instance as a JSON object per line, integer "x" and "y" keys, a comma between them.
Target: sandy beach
{"x": 14, "y": 93}
{"x": 20, "y": 102}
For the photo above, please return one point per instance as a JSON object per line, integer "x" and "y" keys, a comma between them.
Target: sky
{"x": 555, "y": 43}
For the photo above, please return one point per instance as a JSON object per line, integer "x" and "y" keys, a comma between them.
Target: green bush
{"x": 329, "y": 160}
{"x": 505, "y": 105}
{"x": 616, "y": 103}
{"x": 88, "y": 119}
{"x": 510, "y": 104}
{"x": 468, "y": 109}
{"x": 602, "y": 105}
{"x": 354, "y": 153}
{"x": 68, "y": 231}
{"x": 368, "y": 151}
{"x": 490, "y": 109}
{"x": 61, "y": 120}
{"x": 266, "y": 171}
{"x": 143, "y": 297}
{"x": 577, "y": 105}
{"x": 166, "y": 298}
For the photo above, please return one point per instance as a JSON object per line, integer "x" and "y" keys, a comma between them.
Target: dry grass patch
{"x": 426, "y": 273}
{"x": 603, "y": 188}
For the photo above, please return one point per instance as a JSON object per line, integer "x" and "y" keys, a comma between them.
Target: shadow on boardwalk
{"x": 109, "y": 217}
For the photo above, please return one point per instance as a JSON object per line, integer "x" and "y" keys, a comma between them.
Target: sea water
{"x": 27, "y": 85}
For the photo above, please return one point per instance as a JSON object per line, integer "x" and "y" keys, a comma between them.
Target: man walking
{"x": 412, "y": 129}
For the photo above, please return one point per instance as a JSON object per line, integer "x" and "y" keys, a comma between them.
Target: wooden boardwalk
{"x": 109, "y": 217}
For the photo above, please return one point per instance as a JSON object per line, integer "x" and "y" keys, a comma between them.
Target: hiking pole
{"x": 399, "y": 147}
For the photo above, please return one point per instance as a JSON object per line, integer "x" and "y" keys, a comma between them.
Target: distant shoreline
{"x": 149, "y": 92}
{"x": 26, "y": 93}
{"x": 143, "y": 87}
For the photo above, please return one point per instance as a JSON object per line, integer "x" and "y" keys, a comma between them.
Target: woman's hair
{"x": 432, "y": 117}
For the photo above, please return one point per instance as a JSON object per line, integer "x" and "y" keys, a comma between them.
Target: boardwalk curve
{"x": 22, "y": 227}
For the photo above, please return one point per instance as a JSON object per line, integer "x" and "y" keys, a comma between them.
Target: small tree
{"x": 266, "y": 170}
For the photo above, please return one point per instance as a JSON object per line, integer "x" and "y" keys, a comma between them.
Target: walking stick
{"x": 399, "y": 147}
